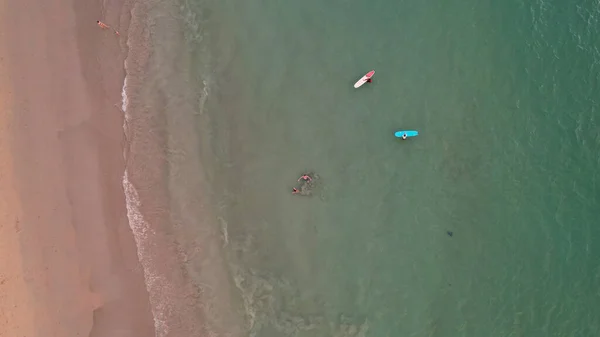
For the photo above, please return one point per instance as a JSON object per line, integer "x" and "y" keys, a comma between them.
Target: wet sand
{"x": 69, "y": 265}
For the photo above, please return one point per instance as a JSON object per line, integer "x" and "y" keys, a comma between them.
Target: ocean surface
{"x": 486, "y": 224}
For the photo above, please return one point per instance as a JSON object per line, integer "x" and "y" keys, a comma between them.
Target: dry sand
{"x": 15, "y": 301}
{"x": 68, "y": 260}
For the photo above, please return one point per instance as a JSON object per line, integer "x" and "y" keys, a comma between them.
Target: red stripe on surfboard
{"x": 370, "y": 74}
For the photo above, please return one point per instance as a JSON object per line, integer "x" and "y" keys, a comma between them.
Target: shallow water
{"x": 503, "y": 96}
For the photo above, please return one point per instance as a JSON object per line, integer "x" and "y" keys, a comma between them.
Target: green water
{"x": 505, "y": 97}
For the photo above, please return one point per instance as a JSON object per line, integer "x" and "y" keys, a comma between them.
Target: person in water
{"x": 305, "y": 177}
{"x": 369, "y": 80}
{"x": 404, "y": 136}
{"x": 295, "y": 191}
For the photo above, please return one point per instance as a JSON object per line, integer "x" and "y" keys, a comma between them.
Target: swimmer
{"x": 295, "y": 191}
{"x": 305, "y": 177}
{"x": 369, "y": 80}
{"x": 404, "y": 136}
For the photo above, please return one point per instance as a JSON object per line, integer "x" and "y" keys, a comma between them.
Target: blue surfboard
{"x": 409, "y": 133}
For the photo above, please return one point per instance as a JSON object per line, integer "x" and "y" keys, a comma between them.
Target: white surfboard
{"x": 364, "y": 79}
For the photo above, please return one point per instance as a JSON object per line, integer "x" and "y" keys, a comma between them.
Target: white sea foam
{"x": 125, "y": 100}
{"x": 142, "y": 233}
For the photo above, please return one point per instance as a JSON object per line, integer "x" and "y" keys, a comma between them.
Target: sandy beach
{"x": 69, "y": 264}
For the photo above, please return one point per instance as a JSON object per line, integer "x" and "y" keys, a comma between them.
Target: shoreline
{"x": 73, "y": 265}
{"x": 168, "y": 201}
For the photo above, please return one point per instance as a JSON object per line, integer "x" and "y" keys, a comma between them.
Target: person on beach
{"x": 105, "y": 26}
{"x": 305, "y": 177}
{"x": 102, "y": 25}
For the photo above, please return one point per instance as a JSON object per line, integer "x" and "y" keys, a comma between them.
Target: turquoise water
{"x": 504, "y": 96}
